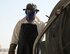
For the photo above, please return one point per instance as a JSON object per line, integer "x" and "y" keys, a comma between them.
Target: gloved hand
{"x": 12, "y": 49}
{"x": 11, "y": 52}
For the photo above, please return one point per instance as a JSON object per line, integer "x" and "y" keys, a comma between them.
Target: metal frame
{"x": 50, "y": 21}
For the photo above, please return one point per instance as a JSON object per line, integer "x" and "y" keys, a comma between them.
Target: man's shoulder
{"x": 21, "y": 20}
{"x": 39, "y": 19}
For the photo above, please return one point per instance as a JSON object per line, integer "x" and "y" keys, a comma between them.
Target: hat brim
{"x": 35, "y": 10}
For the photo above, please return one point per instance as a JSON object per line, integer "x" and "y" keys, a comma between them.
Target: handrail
{"x": 50, "y": 21}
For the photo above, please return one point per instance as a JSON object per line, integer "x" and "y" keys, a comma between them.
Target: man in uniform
{"x": 26, "y": 31}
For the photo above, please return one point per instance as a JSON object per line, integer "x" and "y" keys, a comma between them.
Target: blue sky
{"x": 11, "y": 12}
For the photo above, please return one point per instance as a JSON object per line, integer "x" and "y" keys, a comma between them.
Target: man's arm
{"x": 14, "y": 40}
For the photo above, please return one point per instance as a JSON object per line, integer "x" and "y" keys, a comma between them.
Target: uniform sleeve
{"x": 16, "y": 33}
{"x": 41, "y": 27}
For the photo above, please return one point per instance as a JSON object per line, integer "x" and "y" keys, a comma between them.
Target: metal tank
{"x": 57, "y": 31}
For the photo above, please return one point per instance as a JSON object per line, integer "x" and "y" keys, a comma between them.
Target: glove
{"x": 12, "y": 49}
{"x": 11, "y": 52}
